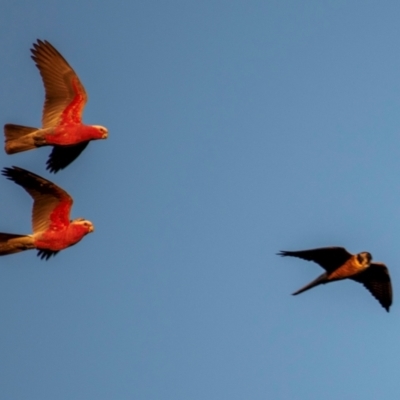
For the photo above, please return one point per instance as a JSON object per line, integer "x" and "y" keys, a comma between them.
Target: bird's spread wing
{"x": 328, "y": 258}
{"x": 51, "y": 204}
{"x": 62, "y": 156}
{"x": 376, "y": 279}
{"x": 65, "y": 95}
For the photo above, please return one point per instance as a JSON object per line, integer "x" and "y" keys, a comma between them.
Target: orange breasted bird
{"x": 340, "y": 264}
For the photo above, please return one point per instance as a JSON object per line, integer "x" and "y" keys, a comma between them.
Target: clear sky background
{"x": 236, "y": 129}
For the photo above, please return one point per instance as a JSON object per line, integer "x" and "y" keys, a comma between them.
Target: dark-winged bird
{"x": 340, "y": 264}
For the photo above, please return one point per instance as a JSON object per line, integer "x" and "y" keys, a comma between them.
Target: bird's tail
{"x": 320, "y": 280}
{"x": 18, "y": 138}
{"x": 11, "y": 243}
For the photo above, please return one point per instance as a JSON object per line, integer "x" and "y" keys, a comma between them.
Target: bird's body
{"x": 340, "y": 264}
{"x": 59, "y": 239}
{"x": 22, "y": 138}
{"x": 52, "y": 229}
{"x": 65, "y": 99}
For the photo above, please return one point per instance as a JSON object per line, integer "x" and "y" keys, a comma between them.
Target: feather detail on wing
{"x": 62, "y": 156}
{"x": 328, "y": 258}
{"x": 46, "y": 254}
{"x": 65, "y": 95}
{"x": 51, "y": 204}
{"x": 376, "y": 279}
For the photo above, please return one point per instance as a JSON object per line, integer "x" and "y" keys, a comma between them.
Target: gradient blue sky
{"x": 236, "y": 129}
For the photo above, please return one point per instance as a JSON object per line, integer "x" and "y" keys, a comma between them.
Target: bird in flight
{"x": 52, "y": 229}
{"x": 340, "y": 264}
{"x": 62, "y": 127}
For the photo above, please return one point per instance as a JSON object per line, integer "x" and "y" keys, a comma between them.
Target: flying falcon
{"x": 52, "y": 229}
{"x": 65, "y": 99}
{"x": 340, "y": 264}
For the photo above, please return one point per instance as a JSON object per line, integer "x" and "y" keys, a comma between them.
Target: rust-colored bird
{"x": 52, "y": 229}
{"x": 65, "y": 99}
{"x": 340, "y": 264}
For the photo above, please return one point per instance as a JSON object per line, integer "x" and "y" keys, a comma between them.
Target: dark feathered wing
{"x": 46, "y": 254}
{"x": 376, "y": 279}
{"x": 329, "y": 258}
{"x": 62, "y": 156}
{"x": 65, "y": 95}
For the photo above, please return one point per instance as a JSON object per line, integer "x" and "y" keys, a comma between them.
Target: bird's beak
{"x": 105, "y": 135}
{"x": 91, "y": 229}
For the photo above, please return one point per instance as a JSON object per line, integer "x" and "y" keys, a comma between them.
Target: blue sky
{"x": 236, "y": 129}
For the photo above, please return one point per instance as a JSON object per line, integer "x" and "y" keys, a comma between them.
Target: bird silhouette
{"x": 340, "y": 264}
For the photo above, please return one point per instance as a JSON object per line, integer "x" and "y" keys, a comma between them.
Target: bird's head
{"x": 364, "y": 258}
{"x": 84, "y": 223}
{"x": 103, "y": 131}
